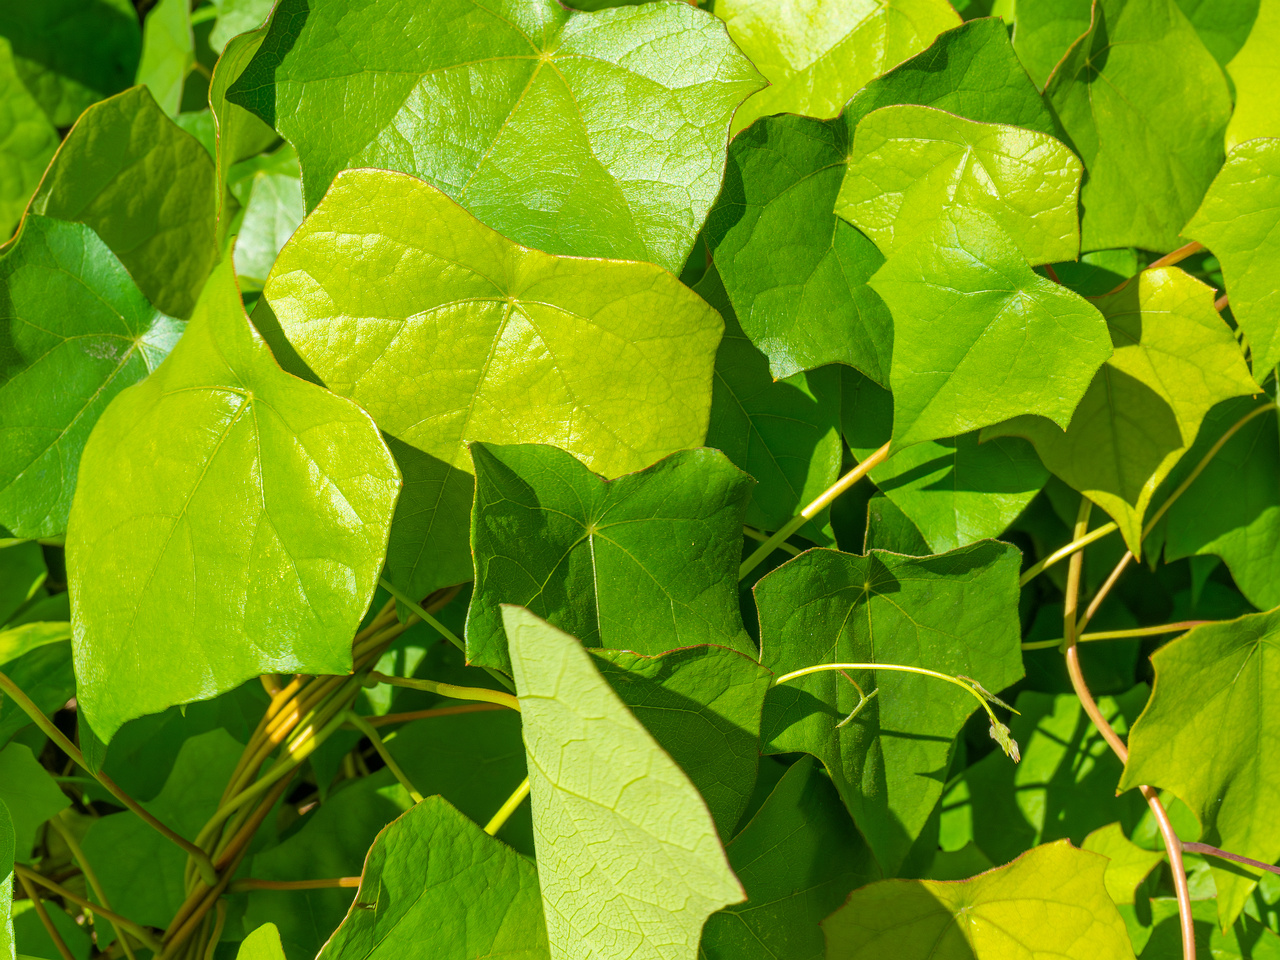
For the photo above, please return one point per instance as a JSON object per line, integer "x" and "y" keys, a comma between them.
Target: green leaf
{"x": 16, "y": 641}
{"x": 1064, "y": 787}
{"x": 647, "y": 562}
{"x": 332, "y": 842}
{"x": 597, "y": 134}
{"x": 231, "y": 521}
{"x": 978, "y": 336}
{"x": 146, "y": 188}
{"x": 1232, "y": 509}
{"x": 1130, "y": 864}
{"x": 142, "y": 872}
{"x": 45, "y": 675}
{"x": 816, "y": 55}
{"x": 910, "y": 165}
{"x": 236, "y": 17}
{"x": 263, "y": 944}
{"x": 1246, "y": 940}
{"x": 22, "y": 574}
{"x": 27, "y": 141}
{"x": 1174, "y": 359}
{"x": 1051, "y": 901}
{"x": 796, "y": 272}
{"x": 1212, "y": 707}
{"x": 71, "y": 54}
{"x": 1256, "y": 78}
{"x": 1239, "y": 221}
{"x": 798, "y": 858}
{"x": 76, "y": 332}
{"x": 955, "y": 613}
{"x": 1145, "y": 106}
{"x": 272, "y": 212}
{"x": 435, "y": 887}
{"x": 702, "y": 705}
{"x": 954, "y": 491}
{"x": 7, "y": 838}
{"x": 30, "y": 795}
{"x": 1223, "y": 26}
{"x": 168, "y": 52}
{"x": 1044, "y": 30}
{"x": 628, "y": 857}
{"x": 888, "y": 528}
{"x": 785, "y": 433}
{"x": 447, "y": 332}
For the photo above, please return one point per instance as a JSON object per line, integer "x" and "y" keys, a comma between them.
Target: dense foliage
{"x": 779, "y": 479}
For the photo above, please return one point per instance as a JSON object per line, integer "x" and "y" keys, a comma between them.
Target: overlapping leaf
{"x": 816, "y": 55}
{"x": 1255, "y": 74}
{"x": 1051, "y": 901}
{"x": 796, "y": 272}
{"x": 436, "y": 888}
{"x": 263, "y": 944}
{"x": 6, "y": 882}
{"x": 596, "y": 134}
{"x": 1239, "y": 221}
{"x": 1174, "y": 359}
{"x": 76, "y": 331}
{"x": 628, "y": 859}
{"x": 911, "y": 164}
{"x": 447, "y": 332}
{"x": 168, "y": 52}
{"x": 1206, "y": 735}
{"x": 978, "y": 336}
{"x": 27, "y": 141}
{"x": 955, "y": 613}
{"x": 1043, "y": 32}
{"x": 1145, "y": 106}
{"x": 236, "y": 17}
{"x": 603, "y": 559}
{"x": 231, "y": 520}
{"x": 1130, "y": 864}
{"x": 29, "y": 793}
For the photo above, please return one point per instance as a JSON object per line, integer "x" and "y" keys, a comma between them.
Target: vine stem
{"x": 371, "y": 735}
{"x": 1210, "y": 851}
{"x": 249, "y": 883}
{"x": 412, "y": 715}
{"x": 91, "y": 877}
{"x": 50, "y": 730}
{"x": 34, "y": 896}
{"x": 1168, "y": 260}
{"x": 761, "y": 536}
{"x": 139, "y": 931}
{"x": 1172, "y": 845}
{"x": 507, "y": 809}
{"x": 453, "y": 691}
{"x": 1119, "y": 634}
{"x": 822, "y": 501}
{"x": 1075, "y": 546}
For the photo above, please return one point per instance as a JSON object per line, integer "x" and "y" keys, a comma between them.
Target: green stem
{"x": 454, "y": 692}
{"x": 142, "y": 933}
{"x": 1118, "y": 634}
{"x": 50, "y": 730}
{"x": 504, "y": 813}
{"x": 371, "y": 734}
{"x": 77, "y": 854}
{"x": 823, "y": 501}
{"x": 1075, "y": 546}
{"x": 249, "y": 883}
{"x": 761, "y": 536}
{"x": 33, "y": 895}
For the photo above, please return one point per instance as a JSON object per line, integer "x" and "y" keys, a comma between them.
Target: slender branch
{"x": 761, "y": 536}
{"x": 1207, "y": 850}
{"x": 77, "y": 854}
{"x": 45, "y": 920}
{"x": 450, "y": 690}
{"x": 1168, "y": 260}
{"x": 50, "y": 730}
{"x": 1221, "y": 303}
{"x": 1119, "y": 634}
{"x": 1074, "y": 568}
{"x": 1112, "y": 578}
{"x": 507, "y": 809}
{"x": 249, "y": 883}
{"x": 450, "y": 711}
{"x": 1075, "y": 546}
{"x": 371, "y": 734}
{"x": 139, "y": 931}
{"x": 219, "y": 922}
{"x": 422, "y": 613}
{"x": 822, "y": 501}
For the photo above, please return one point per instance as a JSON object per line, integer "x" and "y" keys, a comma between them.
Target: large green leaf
{"x": 70, "y": 53}
{"x": 1204, "y": 736}
{"x": 272, "y": 203}
{"x": 1044, "y": 30}
{"x": 1256, "y": 77}
{"x": 785, "y": 433}
{"x": 435, "y": 887}
{"x": 27, "y": 141}
{"x": 978, "y": 336}
{"x": 29, "y": 793}
{"x": 1232, "y": 509}
{"x": 912, "y": 164}
{"x": 816, "y": 55}
{"x": 647, "y": 562}
{"x": 76, "y": 331}
{"x": 1145, "y": 106}
{"x": 1239, "y": 221}
{"x": 797, "y": 858}
{"x": 955, "y": 613}
{"x": 796, "y": 272}
{"x": 1050, "y": 902}
{"x": 1174, "y": 359}
{"x": 628, "y": 857}
{"x": 446, "y": 331}
{"x": 146, "y": 188}
{"x": 6, "y": 883}
{"x": 142, "y": 873}
{"x": 955, "y": 491}
{"x": 702, "y": 705}
{"x": 168, "y": 52}
{"x": 231, "y": 520}
{"x": 1130, "y": 864}
{"x": 1224, "y": 26}
{"x": 596, "y": 134}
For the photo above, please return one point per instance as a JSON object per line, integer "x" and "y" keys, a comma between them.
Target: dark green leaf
{"x": 168, "y": 52}
{"x": 45, "y": 675}
{"x": 30, "y": 795}
{"x": 22, "y": 573}
{"x": 1224, "y": 26}
{"x": 888, "y": 528}
{"x": 27, "y": 141}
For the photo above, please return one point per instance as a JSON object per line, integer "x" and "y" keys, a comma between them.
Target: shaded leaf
{"x": 30, "y": 795}
{"x": 447, "y": 332}
{"x": 1143, "y": 102}
{"x": 888, "y": 528}
{"x": 76, "y": 332}
{"x": 45, "y": 675}
{"x": 628, "y": 857}
{"x": 1130, "y": 864}
{"x": 219, "y": 444}
{"x": 911, "y": 164}
{"x": 797, "y": 858}
{"x": 272, "y": 212}
{"x": 816, "y": 55}
{"x": 236, "y": 17}
{"x": 1174, "y": 359}
{"x": 590, "y": 134}
{"x": 647, "y": 562}
{"x": 168, "y": 52}
{"x": 27, "y": 141}
{"x": 22, "y": 574}
{"x": 955, "y": 613}
{"x": 978, "y": 336}
{"x": 1223, "y": 26}
{"x": 436, "y": 888}
{"x": 1044, "y": 31}
{"x": 1051, "y": 901}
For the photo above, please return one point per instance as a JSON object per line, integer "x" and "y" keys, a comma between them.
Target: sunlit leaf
{"x": 29, "y": 793}
{"x": 1256, "y": 77}
{"x": 168, "y": 52}
{"x": 6, "y": 882}
{"x": 262, "y": 944}
{"x": 27, "y": 141}
{"x": 1130, "y": 864}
